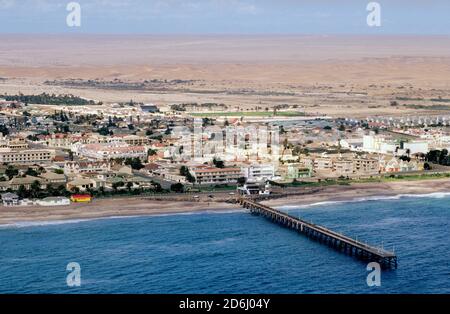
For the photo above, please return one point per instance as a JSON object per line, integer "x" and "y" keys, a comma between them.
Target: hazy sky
{"x": 226, "y": 16}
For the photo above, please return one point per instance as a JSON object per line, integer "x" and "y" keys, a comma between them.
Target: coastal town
{"x": 58, "y": 150}
{"x": 211, "y": 155}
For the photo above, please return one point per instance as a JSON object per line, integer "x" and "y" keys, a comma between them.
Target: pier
{"x": 337, "y": 241}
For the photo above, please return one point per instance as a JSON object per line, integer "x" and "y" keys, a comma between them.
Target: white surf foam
{"x": 436, "y": 195}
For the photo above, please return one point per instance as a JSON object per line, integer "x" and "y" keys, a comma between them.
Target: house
{"x": 53, "y": 178}
{"x": 10, "y": 199}
{"x": 150, "y": 168}
{"x": 123, "y": 170}
{"x": 128, "y": 182}
{"x": 53, "y": 201}
{"x": 27, "y": 181}
{"x": 392, "y": 165}
{"x": 81, "y": 198}
{"x": 82, "y": 184}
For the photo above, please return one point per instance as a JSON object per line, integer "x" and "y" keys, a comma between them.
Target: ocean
{"x": 232, "y": 251}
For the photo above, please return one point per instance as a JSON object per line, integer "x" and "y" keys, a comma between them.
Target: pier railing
{"x": 342, "y": 243}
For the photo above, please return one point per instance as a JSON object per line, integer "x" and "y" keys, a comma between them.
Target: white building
{"x": 259, "y": 172}
{"x": 53, "y": 201}
{"x": 110, "y": 151}
{"x": 416, "y": 147}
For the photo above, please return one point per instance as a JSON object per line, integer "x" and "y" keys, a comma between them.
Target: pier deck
{"x": 342, "y": 243}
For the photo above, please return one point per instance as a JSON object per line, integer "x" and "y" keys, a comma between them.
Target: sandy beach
{"x": 104, "y": 208}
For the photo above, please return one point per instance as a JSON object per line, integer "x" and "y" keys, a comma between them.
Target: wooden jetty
{"x": 344, "y": 244}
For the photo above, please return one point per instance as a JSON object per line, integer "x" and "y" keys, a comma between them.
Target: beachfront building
{"x": 10, "y": 199}
{"x": 27, "y": 156}
{"x": 53, "y": 201}
{"x": 291, "y": 171}
{"x": 254, "y": 188}
{"x": 259, "y": 172}
{"x": 213, "y": 175}
{"x": 338, "y": 165}
{"x": 366, "y": 165}
{"x": 81, "y": 198}
{"x": 81, "y": 184}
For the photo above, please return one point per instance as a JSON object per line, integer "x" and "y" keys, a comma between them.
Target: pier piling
{"x": 341, "y": 243}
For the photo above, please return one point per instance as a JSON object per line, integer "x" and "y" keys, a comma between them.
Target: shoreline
{"x": 127, "y": 208}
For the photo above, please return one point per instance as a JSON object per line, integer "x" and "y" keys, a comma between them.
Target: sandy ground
{"x": 366, "y": 190}
{"x": 144, "y": 207}
{"x": 325, "y": 73}
{"x": 105, "y": 208}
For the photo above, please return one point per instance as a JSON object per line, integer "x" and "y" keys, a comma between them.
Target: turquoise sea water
{"x": 232, "y": 252}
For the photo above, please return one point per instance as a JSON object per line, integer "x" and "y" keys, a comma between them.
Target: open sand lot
{"x": 321, "y": 74}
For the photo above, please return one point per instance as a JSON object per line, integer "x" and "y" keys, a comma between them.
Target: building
{"x": 149, "y": 108}
{"x": 29, "y": 156}
{"x": 81, "y": 198}
{"x": 291, "y": 171}
{"x": 10, "y": 199}
{"x": 83, "y": 167}
{"x": 17, "y": 143}
{"x": 111, "y": 151}
{"x": 60, "y": 140}
{"x": 27, "y": 182}
{"x": 366, "y": 165}
{"x": 81, "y": 184}
{"x": 53, "y": 178}
{"x": 416, "y": 147}
{"x": 130, "y": 139}
{"x": 259, "y": 172}
{"x": 213, "y": 175}
{"x": 53, "y": 201}
{"x": 373, "y": 143}
{"x": 254, "y": 188}
{"x": 344, "y": 165}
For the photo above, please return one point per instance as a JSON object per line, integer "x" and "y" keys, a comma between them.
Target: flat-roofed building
{"x": 213, "y": 175}
{"x": 29, "y": 156}
{"x": 259, "y": 172}
{"x": 111, "y": 151}
{"x": 53, "y": 201}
